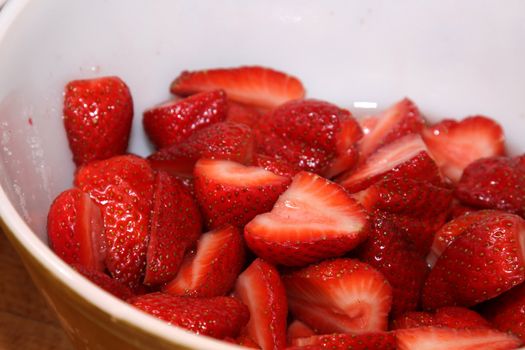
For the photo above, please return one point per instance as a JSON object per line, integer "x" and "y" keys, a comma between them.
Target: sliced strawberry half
{"x": 276, "y": 166}
{"x": 449, "y": 316}
{"x": 341, "y": 296}
{"x": 174, "y": 121}
{"x": 213, "y": 268}
{"x": 239, "y": 113}
{"x": 401, "y": 119}
{"x": 313, "y": 220}
{"x": 105, "y": 282}
{"x": 76, "y": 230}
{"x": 435, "y": 338}
{"x": 486, "y": 260}
{"x": 217, "y": 317}
{"x": 230, "y": 193}
{"x": 367, "y": 341}
{"x": 296, "y": 330}
{"x": 405, "y": 157}
{"x": 175, "y": 226}
{"x": 454, "y": 145}
{"x": 255, "y": 86}
{"x": 261, "y": 289}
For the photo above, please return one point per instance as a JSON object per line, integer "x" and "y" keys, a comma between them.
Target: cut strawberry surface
{"x": 406, "y": 157}
{"x": 296, "y": 330}
{"x": 175, "y": 225}
{"x": 217, "y": 317}
{"x": 213, "y": 268}
{"x": 368, "y": 341}
{"x": 254, "y": 86}
{"x": 313, "y": 220}
{"x": 261, "y": 289}
{"x": 454, "y": 145}
{"x": 341, "y": 295}
{"x": 172, "y": 122}
{"x": 399, "y": 120}
{"x": 434, "y": 338}
{"x": 105, "y": 282}
{"x": 97, "y": 117}
{"x": 482, "y": 263}
{"x": 231, "y": 193}
{"x": 76, "y": 231}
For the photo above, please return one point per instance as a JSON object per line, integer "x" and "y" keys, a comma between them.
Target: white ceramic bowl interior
{"x": 452, "y": 58}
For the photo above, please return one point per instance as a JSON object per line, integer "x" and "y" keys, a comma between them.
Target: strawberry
{"x": 231, "y": 193}
{"x": 255, "y": 86}
{"x": 401, "y": 119}
{"x": 222, "y": 140}
{"x": 458, "y": 209}
{"x": 261, "y": 289}
{"x": 123, "y": 188}
{"x": 239, "y": 113}
{"x": 97, "y": 118}
{"x": 105, "y": 282}
{"x": 405, "y": 269}
{"x": 213, "y": 268}
{"x": 217, "y": 317}
{"x": 507, "y": 312}
{"x": 405, "y": 157}
{"x": 494, "y": 183}
{"x": 454, "y": 145}
{"x": 276, "y": 166}
{"x": 367, "y": 341}
{"x": 175, "y": 225}
{"x": 434, "y": 338}
{"x": 313, "y": 220}
{"x": 319, "y": 130}
{"x": 341, "y": 295}
{"x": 483, "y": 262}
{"x": 296, "y": 330}
{"x": 172, "y": 122}
{"x": 451, "y": 230}
{"x": 246, "y": 341}
{"x": 76, "y": 231}
{"x": 449, "y": 316}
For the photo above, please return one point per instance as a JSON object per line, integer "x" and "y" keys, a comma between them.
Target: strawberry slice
{"x": 401, "y": 119}
{"x": 405, "y": 157}
{"x": 341, "y": 296}
{"x": 434, "y": 338}
{"x": 483, "y": 262}
{"x": 255, "y": 86}
{"x": 217, "y": 317}
{"x": 405, "y": 269}
{"x": 105, "y": 282}
{"x": 239, "y": 113}
{"x": 122, "y": 186}
{"x": 175, "y": 225}
{"x": 449, "y": 316}
{"x": 347, "y": 152}
{"x": 213, "y": 268}
{"x": 368, "y": 341}
{"x": 276, "y": 166}
{"x": 507, "y": 312}
{"x": 494, "y": 183}
{"x": 451, "y": 230}
{"x": 222, "y": 140}
{"x": 230, "y": 193}
{"x": 297, "y": 330}
{"x": 172, "y": 122}
{"x": 97, "y": 118}
{"x": 261, "y": 289}
{"x": 454, "y": 145}
{"x": 313, "y": 220}
{"x": 76, "y": 231}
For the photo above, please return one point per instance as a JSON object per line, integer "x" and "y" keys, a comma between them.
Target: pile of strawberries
{"x": 273, "y": 221}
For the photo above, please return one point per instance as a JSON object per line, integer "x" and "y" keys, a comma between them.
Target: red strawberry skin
{"x": 217, "y": 317}
{"x": 494, "y": 183}
{"x": 232, "y": 194}
{"x": 313, "y": 220}
{"x": 239, "y": 113}
{"x": 448, "y": 316}
{"x": 76, "y": 230}
{"x": 175, "y": 226}
{"x": 480, "y": 264}
{"x": 261, "y": 289}
{"x": 276, "y": 166}
{"x": 213, "y": 269}
{"x": 105, "y": 282}
{"x": 298, "y": 329}
{"x": 97, "y": 118}
{"x": 368, "y": 341}
{"x": 251, "y": 85}
{"x": 174, "y": 121}
{"x": 123, "y": 188}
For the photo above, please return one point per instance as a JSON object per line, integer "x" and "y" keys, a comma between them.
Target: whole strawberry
{"x": 97, "y": 118}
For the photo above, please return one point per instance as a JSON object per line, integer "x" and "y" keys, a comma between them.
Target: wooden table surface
{"x": 26, "y": 322}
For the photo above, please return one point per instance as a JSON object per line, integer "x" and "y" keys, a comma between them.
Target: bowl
{"x": 452, "y": 58}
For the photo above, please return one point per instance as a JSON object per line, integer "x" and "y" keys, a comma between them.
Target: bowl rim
{"x": 118, "y": 310}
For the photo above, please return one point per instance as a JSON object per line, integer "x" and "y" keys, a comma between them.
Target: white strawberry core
{"x": 235, "y": 174}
